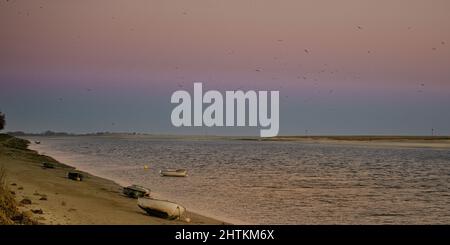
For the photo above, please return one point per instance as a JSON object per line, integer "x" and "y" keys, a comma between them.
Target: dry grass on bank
{"x": 9, "y": 211}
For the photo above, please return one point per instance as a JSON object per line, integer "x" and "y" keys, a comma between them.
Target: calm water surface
{"x": 275, "y": 182}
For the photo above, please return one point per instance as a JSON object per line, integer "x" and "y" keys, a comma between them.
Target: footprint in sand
{"x": 37, "y": 211}
{"x": 43, "y": 197}
{"x": 25, "y": 201}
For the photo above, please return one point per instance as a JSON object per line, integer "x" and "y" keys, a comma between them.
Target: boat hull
{"x": 173, "y": 173}
{"x": 135, "y": 191}
{"x": 161, "y": 208}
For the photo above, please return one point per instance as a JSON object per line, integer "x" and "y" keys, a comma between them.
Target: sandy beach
{"x": 63, "y": 201}
{"x": 373, "y": 141}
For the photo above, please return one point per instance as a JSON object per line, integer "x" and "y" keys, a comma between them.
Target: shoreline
{"x": 360, "y": 140}
{"x": 95, "y": 200}
{"x": 62, "y": 157}
{"x": 435, "y": 142}
{"x": 104, "y": 191}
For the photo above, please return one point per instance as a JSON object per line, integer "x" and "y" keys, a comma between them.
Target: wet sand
{"x": 383, "y": 141}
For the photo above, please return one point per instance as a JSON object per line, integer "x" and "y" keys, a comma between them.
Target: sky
{"x": 342, "y": 67}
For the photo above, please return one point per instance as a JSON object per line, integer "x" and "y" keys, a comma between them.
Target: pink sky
{"x": 380, "y": 48}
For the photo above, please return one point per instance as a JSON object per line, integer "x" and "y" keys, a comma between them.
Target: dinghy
{"x": 173, "y": 172}
{"x": 75, "y": 176}
{"x": 136, "y": 191}
{"x": 161, "y": 208}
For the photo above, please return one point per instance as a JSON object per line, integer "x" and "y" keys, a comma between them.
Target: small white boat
{"x": 161, "y": 208}
{"x": 173, "y": 172}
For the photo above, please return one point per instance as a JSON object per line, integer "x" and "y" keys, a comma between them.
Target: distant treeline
{"x": 52, "y": 133}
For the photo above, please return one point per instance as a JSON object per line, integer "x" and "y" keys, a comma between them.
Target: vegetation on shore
{"x": 9, "y": 211}
{"x": 2, "y": 120}
{"x": 9, "y": 208}
{"x": 12, "y": 146}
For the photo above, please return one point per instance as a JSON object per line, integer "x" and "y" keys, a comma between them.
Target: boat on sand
{"x": 136, "y": 191}
{"x": 173, "y": 172}
{"x": 75, "y": 176}
{"x": 161, "y": 208}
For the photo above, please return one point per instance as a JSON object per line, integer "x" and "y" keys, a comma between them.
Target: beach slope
{"x": 55, "y": 199}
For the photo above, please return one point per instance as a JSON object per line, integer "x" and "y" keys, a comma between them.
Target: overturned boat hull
{"x": 161, "y": 208}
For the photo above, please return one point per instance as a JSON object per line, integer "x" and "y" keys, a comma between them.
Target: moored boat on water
{"x": 173, "y": 172}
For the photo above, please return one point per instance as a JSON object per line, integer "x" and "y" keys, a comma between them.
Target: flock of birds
{"x": 313, "y": 75}
{"x": 321, "y": 71}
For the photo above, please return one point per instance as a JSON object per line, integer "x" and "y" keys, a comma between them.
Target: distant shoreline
{"x": 385, "y": 141}
{"x": 243, "y": 137}
{"x": 360, "y": 140}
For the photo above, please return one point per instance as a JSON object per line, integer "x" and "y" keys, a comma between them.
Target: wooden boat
{"x": 37, "y": 142}
{"x": 173, "y": 172}
{"x": 136, "y": 191}
{"x": 161, "y": 208}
